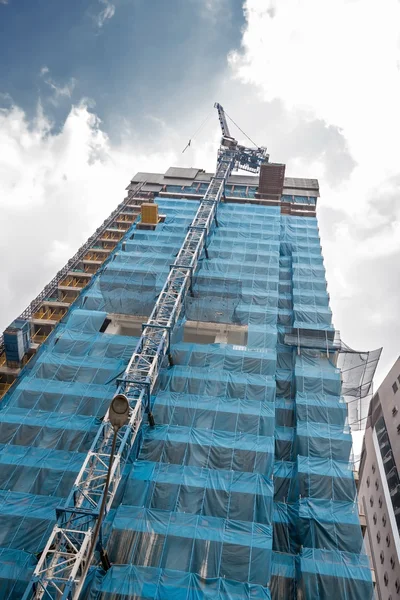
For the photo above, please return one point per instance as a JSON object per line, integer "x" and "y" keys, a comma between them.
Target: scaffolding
{"x": 63, "y": 563}
{"x": 50, "y": 290}
{"x": 244, "y": 487}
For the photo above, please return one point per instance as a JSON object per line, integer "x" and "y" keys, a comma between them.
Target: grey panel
{"x": 203, "y": 176}
{"x": 232, "y": 180}
{"x": 148, "y": 177}
{"x": 177, "y": 181}
{"x": 300, "y": 192}
{"x": 300, "y": 183}
{"x": 243, "y": 180}
{"x": 181, "y": 173}
{"x": 152, "y": 187}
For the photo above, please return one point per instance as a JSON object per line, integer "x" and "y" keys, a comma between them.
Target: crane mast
{"x": 61, "y": 570}
{"x": 222, "y": 120}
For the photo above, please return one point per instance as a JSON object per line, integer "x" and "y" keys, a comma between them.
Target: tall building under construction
{"x": 202, "y": 299}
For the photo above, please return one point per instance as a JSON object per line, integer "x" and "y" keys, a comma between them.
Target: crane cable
{"x": 197, "y": 131}
{"x": 205, "y": 121}
{"x": 249, "y": 138}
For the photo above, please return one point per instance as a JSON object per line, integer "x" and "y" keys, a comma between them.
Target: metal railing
{"x": 51, "y": 288}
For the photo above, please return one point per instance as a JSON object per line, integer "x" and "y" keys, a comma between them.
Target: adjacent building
{"x": 242, "y": 487}
{"x": 379, "y": 488}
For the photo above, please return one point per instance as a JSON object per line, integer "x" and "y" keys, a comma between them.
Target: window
{"x": 378, "y": 537}
{"x": 374, "y": 518}
{"x": 395, "y": 410}
{"x": 389, "y": 465}
{"x": 384, "y": 520}
{"x": 397, "y": 585}
{"x": 392, "y": 562}
{"x": 386, "y": 578}
{"x": 376, "y": 484}
{"x": 373, "y": 468}
{"x": 371, "y": 501}
{"x": 368, "y": 481}
{"x": 382, "y": 557}
{"x": 395, "y": 387}
{"x": 380, "y": 501}
{"x": 388, "y": 540}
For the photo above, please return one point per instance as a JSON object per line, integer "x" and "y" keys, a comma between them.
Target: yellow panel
{"x": 150, "y": 213}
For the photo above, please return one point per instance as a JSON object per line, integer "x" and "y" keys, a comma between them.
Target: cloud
{"x": 309, "y": 145}
{"x": 106, "y": 13}
{"x": 331, "y": 70}
{"x": 5, "y": 98}
{"x": 3, "y": 1}
{"x": 64, "y": 90}
{"x": 213, "y": 10}
{"x": 316, "y": 55}
{"x": 55, "y": 190}
{"x": 214, "y": 6}
{"x": 58, "y": 91}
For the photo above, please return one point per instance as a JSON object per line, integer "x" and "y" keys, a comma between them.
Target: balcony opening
{"x": 195, "y": 332}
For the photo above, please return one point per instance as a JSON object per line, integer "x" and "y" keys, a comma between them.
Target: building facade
{"x": 379, "y": 487}
{"x": 243, "y": 486}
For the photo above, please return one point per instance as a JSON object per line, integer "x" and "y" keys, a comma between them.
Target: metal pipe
{"x": 99, "y": 518}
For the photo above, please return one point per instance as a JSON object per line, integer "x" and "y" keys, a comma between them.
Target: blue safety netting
{"x": 144, "y": 583}
{"x": 316, "y": 523}
{"x": 327, "y": 573}
{"x": 246, "y": 473}
{"x": 209, "y": 546}
{"x": 283, "y": 576}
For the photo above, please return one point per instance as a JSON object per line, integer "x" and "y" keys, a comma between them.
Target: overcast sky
{"x": 92, "y": 91}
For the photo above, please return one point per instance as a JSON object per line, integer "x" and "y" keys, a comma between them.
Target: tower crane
{"x": 247, "y": 159}
{"x": 62, "y": 567}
